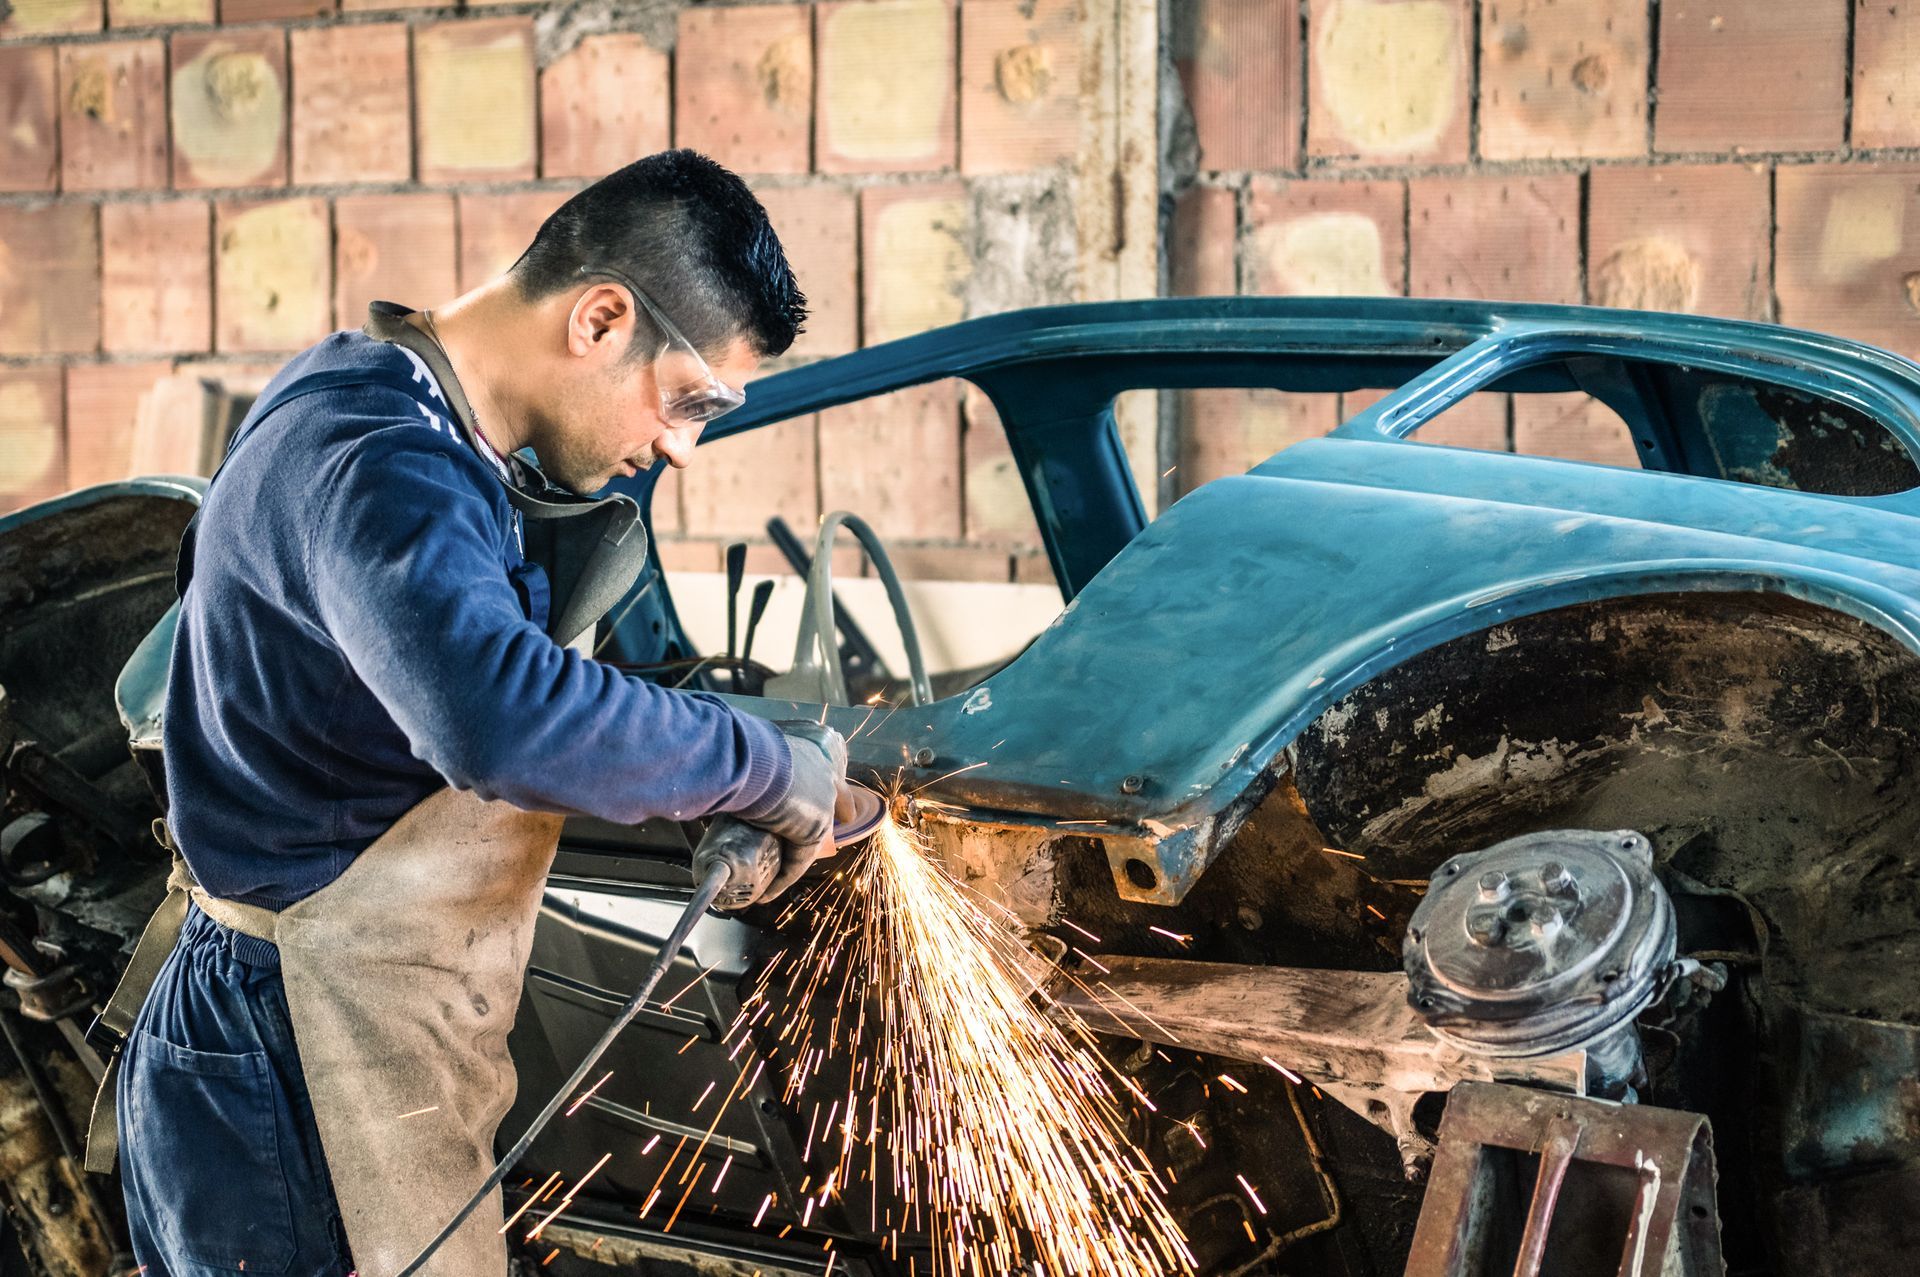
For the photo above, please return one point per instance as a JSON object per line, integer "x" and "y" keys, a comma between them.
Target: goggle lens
{"x": 707, "y": 396}
{"x": 703, "y": 403}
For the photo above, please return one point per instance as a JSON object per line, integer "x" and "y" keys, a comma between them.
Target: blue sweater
{"x": 351, "y": 641}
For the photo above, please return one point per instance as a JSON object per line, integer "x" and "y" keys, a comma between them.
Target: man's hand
{"x": 804, "y": 819}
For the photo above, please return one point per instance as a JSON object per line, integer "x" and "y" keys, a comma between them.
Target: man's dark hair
{"x": 687, "y": 231}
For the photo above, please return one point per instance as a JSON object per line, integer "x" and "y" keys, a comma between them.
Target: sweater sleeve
{"x": 407, "y": 577}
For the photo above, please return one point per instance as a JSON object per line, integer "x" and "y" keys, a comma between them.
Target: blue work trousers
{"x": 218, "y": 1149}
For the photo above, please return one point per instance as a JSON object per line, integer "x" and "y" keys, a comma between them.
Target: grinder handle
{"x": 751, "y": 856}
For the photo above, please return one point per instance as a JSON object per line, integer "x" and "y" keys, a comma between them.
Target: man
{"x": 372, "y": 734}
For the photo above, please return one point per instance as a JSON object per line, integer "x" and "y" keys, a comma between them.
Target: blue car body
{"x": 1341, "y": 557}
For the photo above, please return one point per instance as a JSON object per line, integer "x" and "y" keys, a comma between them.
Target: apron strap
{"x": 592, "y": 549}
{"x": 298, "y": 388}
{"x": 157, "y": 941}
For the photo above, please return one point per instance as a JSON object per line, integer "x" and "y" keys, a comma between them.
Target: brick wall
{"x": 1751, "y": 158}
{"x": 192, "y": 185}
{"x": 206, "y": 186}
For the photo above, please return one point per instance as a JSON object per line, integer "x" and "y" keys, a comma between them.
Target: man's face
{"x": 609, "y": 420}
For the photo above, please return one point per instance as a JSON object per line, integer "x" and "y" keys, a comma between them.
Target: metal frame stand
{"x": 1617, "y": 1190}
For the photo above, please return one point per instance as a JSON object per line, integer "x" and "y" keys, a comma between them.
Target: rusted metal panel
{"x": 1853, "y": 1091}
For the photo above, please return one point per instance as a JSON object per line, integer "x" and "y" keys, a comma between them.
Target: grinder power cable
{"x": 732, "y": 865}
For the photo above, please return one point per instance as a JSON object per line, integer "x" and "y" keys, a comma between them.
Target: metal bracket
{"x": 1618, "y": 1190}
{"x": 53, "y": 996}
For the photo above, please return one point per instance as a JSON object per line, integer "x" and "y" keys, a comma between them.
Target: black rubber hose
{"x": 709, "y": 887}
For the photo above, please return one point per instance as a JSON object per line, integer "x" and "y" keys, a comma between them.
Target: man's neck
{"x": 478, "y": 330}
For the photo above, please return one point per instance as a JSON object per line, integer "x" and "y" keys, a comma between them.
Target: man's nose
{"x": 676, "y": 444}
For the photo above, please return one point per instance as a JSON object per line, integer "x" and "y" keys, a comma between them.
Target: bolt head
{"x": 1558, "y": 879}
{"x": 1133, "y": 784}
{"x": 1487, "y": 928}
{"x": 1494, "y": 885}
{"x": 923, "y": 757}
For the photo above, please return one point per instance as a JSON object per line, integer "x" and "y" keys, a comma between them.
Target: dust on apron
{"x": 403, "y": 975}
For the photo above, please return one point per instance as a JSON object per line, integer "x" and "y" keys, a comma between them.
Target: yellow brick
{"x": 1325, "y": 239}
{"x": 32, "y": 442}
{"x": 1328, "y": 254}
{"x": 886, "y": 86}
{"x": 43, "y": 17}
{"x": 273, "y": 278}
{"x": 229, "y": 110}
{"x": 475, "y": 99}
{"x": 917, "y": 259}
{"x": 150, "y": 13}
{"x": 1389, "y": 80}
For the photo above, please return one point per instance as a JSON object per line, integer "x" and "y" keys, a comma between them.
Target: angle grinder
{"x": 752, "y": 855}
{"x": 732, "y": 865}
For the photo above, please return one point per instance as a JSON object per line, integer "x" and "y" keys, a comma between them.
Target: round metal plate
{"x": 1527, "y": 921}
{"x": 1540, "y": 942}
{"x": 868, "y": 808}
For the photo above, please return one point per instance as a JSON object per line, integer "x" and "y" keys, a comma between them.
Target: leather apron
{"x": 404, "y": 974}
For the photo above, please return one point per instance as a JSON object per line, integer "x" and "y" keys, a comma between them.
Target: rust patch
{"x": 1650, "y": 273}
{"x": 1011, "y": 865}
{"x": 1591, "y": 75}
{"x": 237, "y": 83}
{"x": 1023, "y": 73}
{"x": 783, "y": 73}
{"x": 91, "y": 93}
{"x": 359, "y": 255}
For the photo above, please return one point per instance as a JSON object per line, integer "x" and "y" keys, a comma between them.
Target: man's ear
{"x": 601, "y": 315}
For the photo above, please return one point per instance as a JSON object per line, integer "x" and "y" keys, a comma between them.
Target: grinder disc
{"x": 867, "y": 811}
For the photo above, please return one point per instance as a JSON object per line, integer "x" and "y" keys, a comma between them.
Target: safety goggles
{"x": 689, "y": 392}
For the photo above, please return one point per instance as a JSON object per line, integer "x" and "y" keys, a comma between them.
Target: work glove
{"x": 804, "y": 819}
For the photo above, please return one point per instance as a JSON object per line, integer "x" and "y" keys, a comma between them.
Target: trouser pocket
{"x": 201, "y": 1143}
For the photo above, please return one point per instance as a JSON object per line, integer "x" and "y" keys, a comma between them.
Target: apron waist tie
{"x": 157, "y": 940}
{"x": 248, "y": 920}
